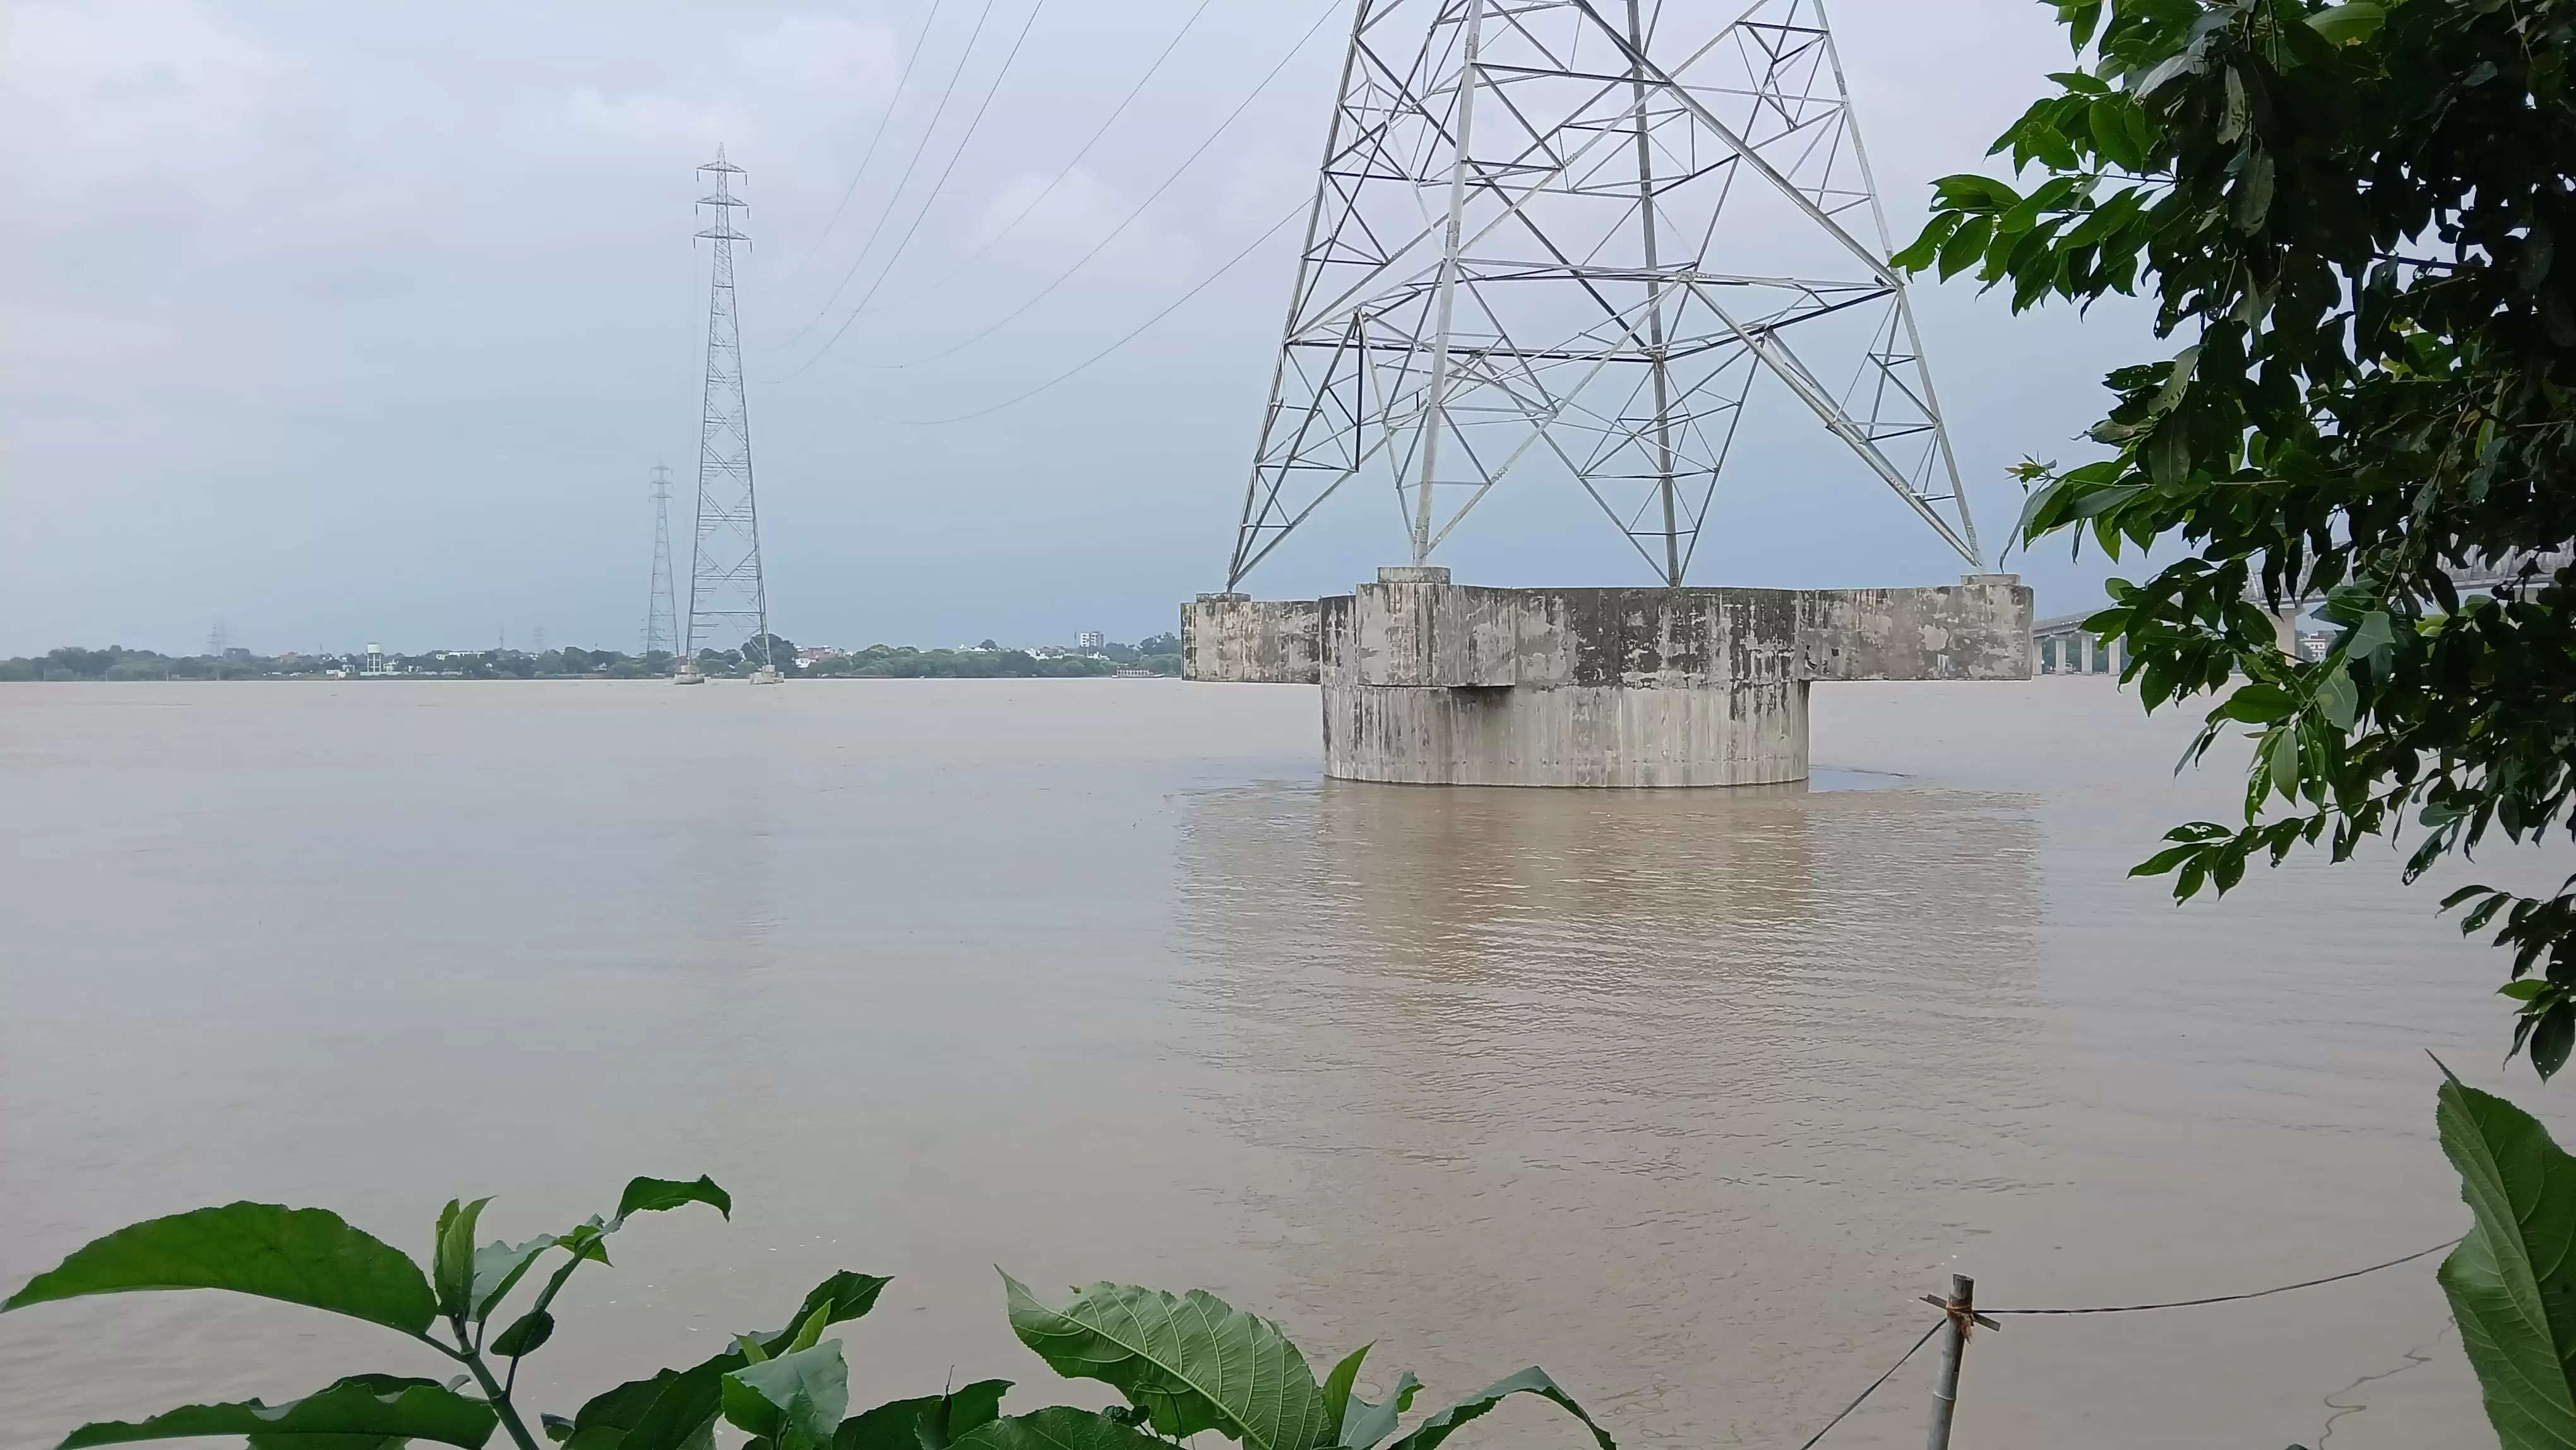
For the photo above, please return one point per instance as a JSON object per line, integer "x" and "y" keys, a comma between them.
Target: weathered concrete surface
{"x": 1434, "y": 683}
{"x": 1249, "y": 641}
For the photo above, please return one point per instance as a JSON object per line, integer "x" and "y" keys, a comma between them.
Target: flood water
{"x": 1685, "y": 1096}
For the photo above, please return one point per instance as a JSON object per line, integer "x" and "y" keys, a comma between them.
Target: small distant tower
{"x": 661, "y": 607}
{"x": 728, "y": 598}
{"x": 1089, "y": 641}
{"x": 375, "y": 667}
{"x": 219, "y": 639}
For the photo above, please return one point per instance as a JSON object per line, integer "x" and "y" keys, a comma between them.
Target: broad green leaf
{"x": 1533, "y": 1381}
{"x": 380, "y": 1407}
{"x": 525, "y": 1336}
{"x": 2373, "y": 638}
{"x": 894, "y": 1425}
{"x": 1191, "y": 1362}
{"x": 2512, "y": 1281}
{"x": 1059, "y": 1429}
{"x": 307, "y": 1256}
{"x": 674, "y": 1408}
{"x": 499, "y": 1266}
{"x": 2339, "y": 699}
{"x": 1364, "y": 1424}
{"x": 961, "y": 1412}
{"x": 797, "y": 1398}
{"x": 1337, "y": 1385}
{"x": 2344, "y": 24}
{"x": 926, "y": 1422}
{"x": 452, "y": 1267}
{"x": 655, "y": 1195}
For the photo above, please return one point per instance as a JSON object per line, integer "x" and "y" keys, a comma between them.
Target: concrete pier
{"x": 1433, "y": 683}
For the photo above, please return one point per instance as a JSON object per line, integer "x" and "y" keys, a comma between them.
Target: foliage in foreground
{"x": 2350, "y": 214}
{"x": 2512, "y": 1281}
{"x": 1185, "y": 1363}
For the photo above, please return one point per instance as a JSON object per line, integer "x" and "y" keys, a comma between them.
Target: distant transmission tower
{"x": 661, "y": 608}
{"x": 726, "y": 591}
{"x": 1562, "y": 238}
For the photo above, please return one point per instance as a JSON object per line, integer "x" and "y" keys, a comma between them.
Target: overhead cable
{"x": 927, "y": 131}
{"x": 1059, "y": 178}
{"x": 885, "y": 118}
{"x": 1329, "y": 10}
{"x": 1139, "y": 331}
{"x": 935, "y": 187}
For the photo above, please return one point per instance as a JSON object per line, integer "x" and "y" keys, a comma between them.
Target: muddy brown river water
{"x": 1685, "y": 1096}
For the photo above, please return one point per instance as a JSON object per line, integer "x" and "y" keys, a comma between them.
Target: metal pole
{"x": 1435, "y": 402}
{"x": 1962, "y": 1309}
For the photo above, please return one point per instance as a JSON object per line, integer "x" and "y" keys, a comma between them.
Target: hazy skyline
{"x": 342, "y": 324}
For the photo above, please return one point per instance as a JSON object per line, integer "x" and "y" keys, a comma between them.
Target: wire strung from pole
{"x": 2232, "y": 1298}
{"x": 1060, "y": 177}
{"x": 1810, "y": 1443}
{"x": 936, "y": 187}
{"x": 1329, "y": 11}
{"x": 1139, "y": 331}
{"x": 936, "y": 113}
{"x": 885, "y": 119}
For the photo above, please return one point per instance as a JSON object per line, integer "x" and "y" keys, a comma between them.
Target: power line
{"x": 1059, "y": 179}
{"x": 1874, "y": 1385}
{"x": 1330, "y": 10}
{"x": 903, "y": 78}
{"x": 2232, "y": 1298}
{"x": 1131, "y": 336}
{"x": 936, "y": 113}
{"x": 936, "y": 187}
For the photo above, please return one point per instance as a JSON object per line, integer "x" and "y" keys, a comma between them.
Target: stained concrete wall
{"x": 1429, "y": 682}
{"x": 1229, "y": 638}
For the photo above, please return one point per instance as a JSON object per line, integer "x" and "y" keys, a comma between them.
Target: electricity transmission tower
{"x": 726, "y": 591}
{"x": 1563, "y": 239}
{"x": 661, "y": 610}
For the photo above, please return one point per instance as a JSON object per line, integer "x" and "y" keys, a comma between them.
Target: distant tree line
{"x": 1159, "y": 654}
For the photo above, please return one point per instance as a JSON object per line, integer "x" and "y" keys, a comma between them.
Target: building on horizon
{"x": 1089, "y": 641}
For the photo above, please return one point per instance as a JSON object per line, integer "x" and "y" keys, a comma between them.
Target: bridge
{"x": 2060, "y": 645}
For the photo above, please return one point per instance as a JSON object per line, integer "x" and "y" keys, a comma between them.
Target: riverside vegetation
{"x": 1186, "y": 1364}
{"x": 2350, "y": 214}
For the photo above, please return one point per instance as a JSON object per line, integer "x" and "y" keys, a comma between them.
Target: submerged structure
{"x": 1560, "y": 244}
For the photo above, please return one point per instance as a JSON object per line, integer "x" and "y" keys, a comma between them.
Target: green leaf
{"x": 2339, "y": 699}
{"x": 360, "y": 1407}
{"x": 1965, "y": 245}
{"x": 673, "y": 1409}
{"x": 1919, "y": 253}
{"x": 1191, "y": 1362}
{"x": 2512, "y": 1281}
{"x": 926, "y": 1422}
{"x": 1534, "y": 1381}
{"x": 2282, "y": 752}
{"x": 894, "y": 1425}
{"x": 2346, "y": 24}
{"x": 1059, "y": 1429}
{"x": 452, "y": 1271}
{"x": 307, "y": 1256}
{"x": 2373, "y": 638}
{"x": 961, "y": 1412}
{"x": 1337, "y": 1386}
{"x": 796, "y": 1398}
{"x": 655, "y": 1195}
{"x": 525, "y": 1334}
{"x": 2524, "y": 990}
{"x": 1364, "y": 1424}
{"x": 499, "y": 1266}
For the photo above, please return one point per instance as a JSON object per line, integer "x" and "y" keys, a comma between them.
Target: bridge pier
{"x": 1434, "y": 683}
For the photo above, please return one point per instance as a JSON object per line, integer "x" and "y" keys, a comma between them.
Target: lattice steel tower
{"x": 661, "y": 611}
{"x": 1562, "y": 238}
{"x": 726, "y": 590}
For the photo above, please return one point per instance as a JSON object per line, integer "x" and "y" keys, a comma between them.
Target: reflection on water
{"x": 1697, "y": 1055}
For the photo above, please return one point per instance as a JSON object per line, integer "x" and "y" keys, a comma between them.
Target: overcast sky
{"x": 347, "y": 322}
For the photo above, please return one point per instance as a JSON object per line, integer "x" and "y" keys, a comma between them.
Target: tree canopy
{"x": 2347, "y": 216}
